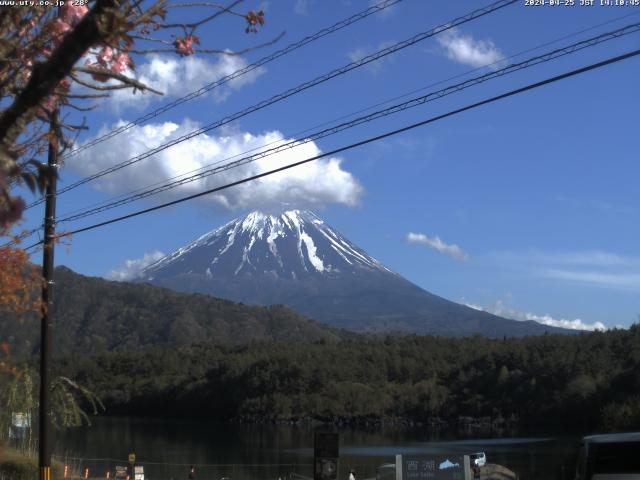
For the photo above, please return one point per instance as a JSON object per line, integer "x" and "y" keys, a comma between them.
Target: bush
{"x": 619, "y": 416}
{"x": 16, "y": 465}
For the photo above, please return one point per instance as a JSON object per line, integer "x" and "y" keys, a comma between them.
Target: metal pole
{"x": 46, "y": 323}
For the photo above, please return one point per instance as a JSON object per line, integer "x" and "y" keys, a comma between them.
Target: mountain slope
{"x": 296, "y": 259}
{"x": 93, "y": 315}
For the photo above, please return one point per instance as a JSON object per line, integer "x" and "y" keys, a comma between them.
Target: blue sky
{"x": 528, "y": 207}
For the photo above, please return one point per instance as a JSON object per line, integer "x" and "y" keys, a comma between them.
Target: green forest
{"x": 590, "y": 380}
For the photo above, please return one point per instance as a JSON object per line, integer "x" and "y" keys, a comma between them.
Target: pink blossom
{"x": 184, "y": 46}
{"x": 96, "y": 66}
{"x": 120, "y": 63}
{"x": 65, "y": 84}
{"x": 72, "y": 14}
{"x": 105, "y": 56}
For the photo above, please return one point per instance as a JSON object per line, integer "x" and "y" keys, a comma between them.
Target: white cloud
{"x": 454, "y": 251}
{"x": 376, "y": 66}
{"x": 175, "y": 77}
{"x": 315, "y": 183}
{"x": 465, "y": 49}
{"x": 500, "y": 309}
{"x": 131, "y": 269}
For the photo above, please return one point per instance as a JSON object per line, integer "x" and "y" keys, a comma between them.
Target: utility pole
{"x": 46, "y": 322}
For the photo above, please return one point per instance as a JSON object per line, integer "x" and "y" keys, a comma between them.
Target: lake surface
{"x": 166, "y": 448}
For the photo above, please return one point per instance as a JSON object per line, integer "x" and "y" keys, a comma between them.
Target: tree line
{"x": 590, "y": 380}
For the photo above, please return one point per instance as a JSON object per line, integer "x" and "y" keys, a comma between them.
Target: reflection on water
{"x": 168, "y": 447}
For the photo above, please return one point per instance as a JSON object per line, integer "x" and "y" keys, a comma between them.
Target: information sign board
{"x": 121, "y": 472}
{"x": 21, "y": 420}
{"x": 20, "y": 423}
{"x": 433, "y": 467}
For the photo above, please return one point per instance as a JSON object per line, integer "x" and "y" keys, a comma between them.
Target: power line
{"x": 227, "y": 78}
{"x": 343, "y": 117}
{"x": 302, "y": 132}
{"x": 293, "y": 91}
{"x": 451, "y": 113}
{"x": 537, "y": 60}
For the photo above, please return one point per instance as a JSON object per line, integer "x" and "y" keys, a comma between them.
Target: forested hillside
{"x": 591, "y": 380}
{"x": 93, "y": 315}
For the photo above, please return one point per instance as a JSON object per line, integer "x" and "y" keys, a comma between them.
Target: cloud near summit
{"x": 452, "y": 250}
{"x": 131, "y": 269}
{"x": 313, "y": 184}
{"x": 499, "y": 308}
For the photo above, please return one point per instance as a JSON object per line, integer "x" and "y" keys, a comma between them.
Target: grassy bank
{"x": 17, "y": 465}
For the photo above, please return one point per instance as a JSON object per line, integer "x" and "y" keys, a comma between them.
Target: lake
{"x": 167, "y": 448}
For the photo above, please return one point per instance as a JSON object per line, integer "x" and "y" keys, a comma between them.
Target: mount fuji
{"x": 298, "y": 260}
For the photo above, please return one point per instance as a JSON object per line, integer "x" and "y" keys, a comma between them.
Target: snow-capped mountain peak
{"x": 294, "y": 244}
{"x": 296, "y": 259}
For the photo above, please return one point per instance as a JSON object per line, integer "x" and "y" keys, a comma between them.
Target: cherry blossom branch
{"x": 93, "y": 28}
{"x": 39, "y": 49}
{"x": 213, "y": 50}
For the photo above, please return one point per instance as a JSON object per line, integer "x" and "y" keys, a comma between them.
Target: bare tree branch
{"x": 95, "y": 86}
{"x": 127, "y": 81}
{"x": 82, "y": 109}
{"x": 84, "y": 96}
{"x": 206, "y": 19}
{"x": 150, "y": 39}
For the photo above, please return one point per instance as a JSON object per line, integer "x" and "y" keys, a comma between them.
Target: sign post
{"x": 325, "y": 456}
{"x": 132, "y": 462}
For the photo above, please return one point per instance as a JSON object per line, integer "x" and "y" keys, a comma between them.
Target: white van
{"x": 479, "y": 459}
{"x": 609, "y": 457}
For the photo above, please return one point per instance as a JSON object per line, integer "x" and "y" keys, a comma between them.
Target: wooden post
{"x": 46, "y": 321}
